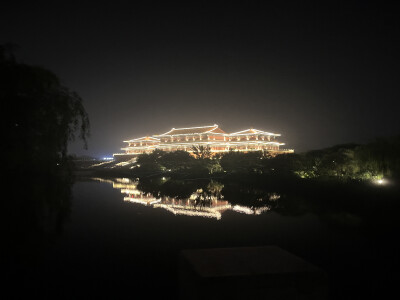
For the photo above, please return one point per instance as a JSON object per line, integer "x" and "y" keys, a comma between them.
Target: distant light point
{"x": 380, "y": 181}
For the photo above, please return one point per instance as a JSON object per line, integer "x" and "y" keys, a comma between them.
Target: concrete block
{"x": 266, "y": 272}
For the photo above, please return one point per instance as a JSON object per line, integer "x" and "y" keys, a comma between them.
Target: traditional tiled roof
{"x": 143, "y": 139}
{"x": 194, "y": 130}
{"x": 253, "y": 131}
{"x": 218, "y": 130}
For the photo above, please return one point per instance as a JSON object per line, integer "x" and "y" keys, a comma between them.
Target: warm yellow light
{"x": 177, "y": 140}
{"x": 380, "y": 181}
{"x": 186, "y": 128}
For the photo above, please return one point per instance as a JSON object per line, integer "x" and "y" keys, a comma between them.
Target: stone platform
{"x": 266, "y": 272}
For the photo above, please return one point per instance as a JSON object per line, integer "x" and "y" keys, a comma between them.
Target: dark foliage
{"x": 39, "y": 116}
{"x": 374, "y": 160}
{"x": 176, "y": 164}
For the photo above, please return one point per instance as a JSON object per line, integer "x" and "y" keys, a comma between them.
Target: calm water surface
{"x": 120, "y": 241}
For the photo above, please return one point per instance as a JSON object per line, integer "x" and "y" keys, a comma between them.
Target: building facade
{"x": 212, "y": 136}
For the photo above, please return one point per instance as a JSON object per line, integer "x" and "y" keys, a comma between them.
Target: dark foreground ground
{"x": 103, "y": 254}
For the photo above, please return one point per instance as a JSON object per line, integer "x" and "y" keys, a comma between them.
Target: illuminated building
{"x": 208, "y": 136}
{"x": 141, "y": 145}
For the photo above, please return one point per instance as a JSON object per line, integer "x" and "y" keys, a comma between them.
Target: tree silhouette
{"x": 177, "y": 160}
{"x": 39, "y": 115}
{"x": 201, "y": 152}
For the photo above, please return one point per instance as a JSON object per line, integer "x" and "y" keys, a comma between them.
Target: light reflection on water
{"x": 114, "y": 242}
{"x": 206, "y": 203}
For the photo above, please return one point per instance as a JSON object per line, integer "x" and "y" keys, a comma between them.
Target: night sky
{"x": 318, "y": 74}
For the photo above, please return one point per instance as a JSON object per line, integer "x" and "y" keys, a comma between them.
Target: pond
{"x": 123, "y": 237}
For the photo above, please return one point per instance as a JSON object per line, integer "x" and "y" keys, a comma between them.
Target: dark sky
{"x": 318, "y": 74}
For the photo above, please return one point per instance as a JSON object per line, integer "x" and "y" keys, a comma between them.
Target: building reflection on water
{"x": 207, "y": 203}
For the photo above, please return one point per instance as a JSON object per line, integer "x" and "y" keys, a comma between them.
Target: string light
{"x": 220, "y": 142}
{"x": 214, "y": 209}
{"x": 145, "y": 138}
{"x": 253, "y": 131}
{"x": 213, "y": 127}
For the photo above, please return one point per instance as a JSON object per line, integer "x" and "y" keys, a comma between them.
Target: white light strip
{"x": 252, "y": 143}
{"x": 209, "y": 143}
{"x": 195, "y": 133}
{"x": 148, "y": 201}
{"x": 145, "y": 138}
{"x": 256, "y": 131}
{"x": 188, "y": 211}
{"x": 186, "y": 128}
